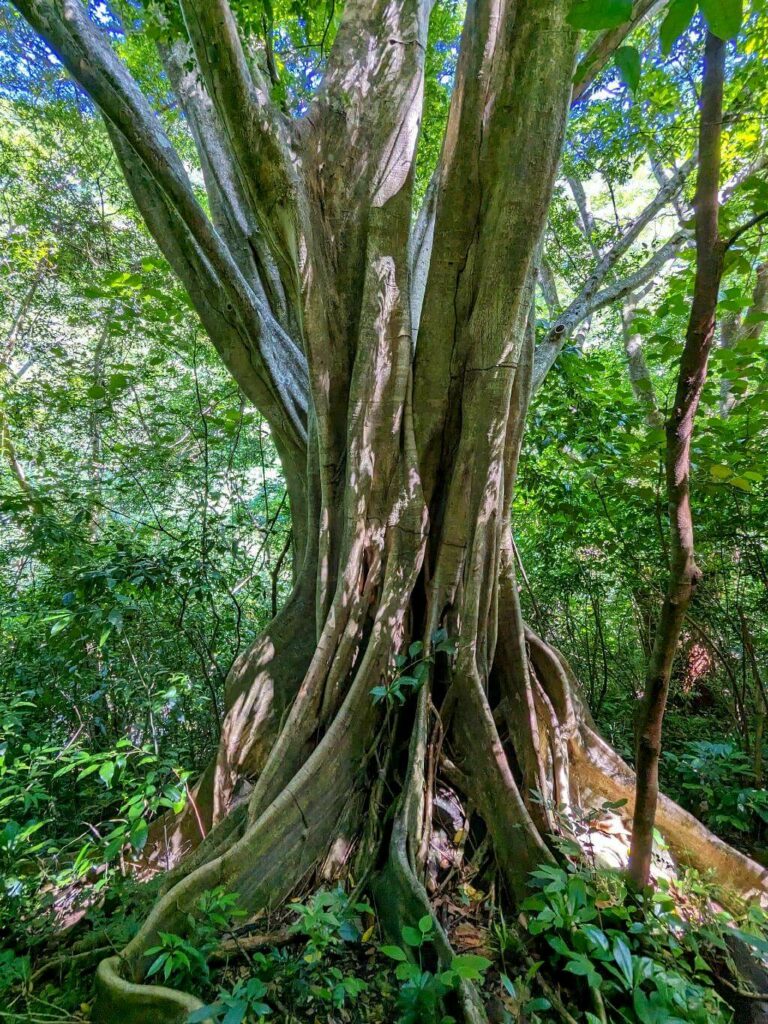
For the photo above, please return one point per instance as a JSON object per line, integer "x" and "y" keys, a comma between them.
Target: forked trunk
{"x": 415, "y": 346}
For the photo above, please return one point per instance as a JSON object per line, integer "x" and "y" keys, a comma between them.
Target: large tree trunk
{"x": 417, "y": 346}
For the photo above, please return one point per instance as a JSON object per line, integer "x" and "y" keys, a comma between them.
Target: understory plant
{"x": 637, "y": 959}
{"x": 716, "y": 781}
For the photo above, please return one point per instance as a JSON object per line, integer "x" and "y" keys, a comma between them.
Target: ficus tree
{"x": 392, "y": 352}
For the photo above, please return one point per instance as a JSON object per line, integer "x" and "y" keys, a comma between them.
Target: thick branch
{"x": 639, "y": 374}
{"x": 285, "y": 413}
{"x": 254, "y": 131}
{"x": 548, "y": 284}
{"x": 234, "y": 219}
{"x": 493, "y": 193}
{"x": 420, "y": 251}
{"x": 585, "y": 214}
{"x": 589, "y": 300}
{"x": 735, "y": 330}
{"x": 88, "y": 56}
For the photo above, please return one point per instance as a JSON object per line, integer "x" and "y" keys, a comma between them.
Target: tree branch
{"x": 88, "y": 56}
{"x": 606, "y": 44}
{"x": 683, "y": 571}
{"x": 585, "y": 214}
{"x": 420, "y": 250}
{"x": 285, "y": 411}
{"x": 751, "y": 223}
{"x": 639, "y": 374}
{"x": 734, "y": 330}
{"x": 548, "y": 285}
{"x": 589, "y": 301}
{"x": 234, "y": 219}
{"x": 254, "y": 131}
{"x": 365, "y": 118}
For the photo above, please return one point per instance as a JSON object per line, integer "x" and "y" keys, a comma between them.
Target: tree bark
{"x": 399, "y": 414}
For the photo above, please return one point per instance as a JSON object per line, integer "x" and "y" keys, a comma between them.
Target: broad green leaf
{"x": 411, "y": 936}
{"x": 723, "y": 17}
{"x": 677, "y": 19}
{"x": 235, "y": 1014}
{"x": 629, "y": 63}
{"x": 203, "y": 1014}
{"x": 599, "y": 14}
{"x": 470, "y": 966}
{"x": 740, "y": 483}
{"x": 394, "y": 953}
{"x": 139, "y": 834}
{"x": 107, "y": 771}
{"x": 623, "y": 958}
{"x": 157, "y": 964}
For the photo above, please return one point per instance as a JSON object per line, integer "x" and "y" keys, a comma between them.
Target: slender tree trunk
{"x": 684, "y": 573}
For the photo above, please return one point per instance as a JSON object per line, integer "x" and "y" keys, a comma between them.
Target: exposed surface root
{"x": 400, "y": 894}
{"x": 599, "y": 774}
{"x": 296, "y": 821}
{"x": 122, "y": 1001}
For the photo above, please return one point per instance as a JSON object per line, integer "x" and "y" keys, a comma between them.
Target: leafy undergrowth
{"x": 717, "y": 782}
{"x": 584, "y": 948}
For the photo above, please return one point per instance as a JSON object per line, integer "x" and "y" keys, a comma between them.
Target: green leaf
{"x": 751, "y": 940}
{"x": 675, "y": 23}
{"x": 540, "y": 1003}
{"x": 158, "y": 963}
{"x": 204, "y": 1014}
{"x": 115, "y": 845}
{"x": 118, "y": 382}
{"x": 106, "y": 771}
{"x": 596, "y": 936}
{"x": 470, "y": 966}
{"x": 139, "y": 835}
{"x": 599, "y": 14}
{"x": 115, "y": 617}
{"x": 411, "y": 936}
{"x": 509, "y": 986}
{"x": 623, "y": 958}
{"x": 407, "y": 972}
{"x": 724, "y": 17}
{"x": 394, "y": 953}
{"x": 235, "y": 1014}
{"x": 425, "y": 924}
{"x": 741, "y": 483}
{"x": 629, "y": 63}
{"x": 96, "y": 391}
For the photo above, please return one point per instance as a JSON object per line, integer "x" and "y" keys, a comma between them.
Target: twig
{"x": 744, "y": 227}
{"x": 760, "y": 997}
{"x": 250, "y": 942}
